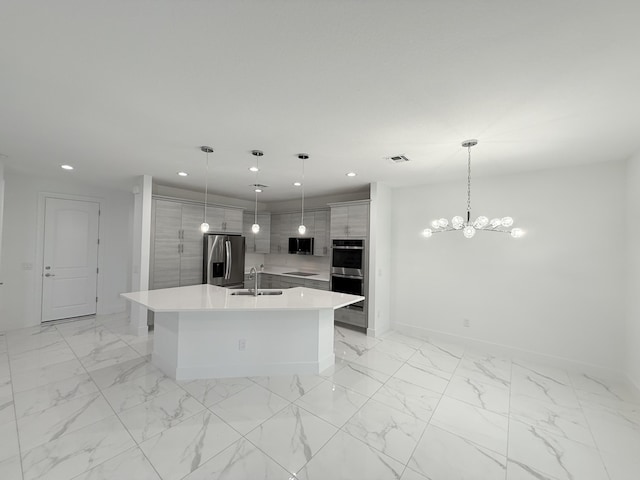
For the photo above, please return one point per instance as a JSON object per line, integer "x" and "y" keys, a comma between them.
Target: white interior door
{"x": 70, "y": 268}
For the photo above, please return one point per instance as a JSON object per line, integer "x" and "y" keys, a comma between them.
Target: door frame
{"x": 38, "y": 267}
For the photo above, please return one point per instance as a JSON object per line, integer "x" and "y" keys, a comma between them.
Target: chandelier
{"x": 468, "y": 227}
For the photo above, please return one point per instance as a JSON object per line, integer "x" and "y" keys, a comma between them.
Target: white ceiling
{"x": 124, "y": 88}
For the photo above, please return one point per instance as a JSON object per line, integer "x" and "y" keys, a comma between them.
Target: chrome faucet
{"x": 253, "y": 275}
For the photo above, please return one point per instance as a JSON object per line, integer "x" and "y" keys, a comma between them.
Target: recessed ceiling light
{"x": 254, "y": 169}
{"x": 66, "y": 167}
{"x": 351, "y": 174}
{"x": 183, "y": 174}
{"x": 296, "y": 184}
{"x": 258, "y": 190}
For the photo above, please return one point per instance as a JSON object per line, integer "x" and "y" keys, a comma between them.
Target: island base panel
{"x": 193, "y": 345}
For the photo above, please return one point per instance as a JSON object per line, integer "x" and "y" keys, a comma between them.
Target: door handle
{"x": 227, "y": 273}
{"x": 49, "y": 275}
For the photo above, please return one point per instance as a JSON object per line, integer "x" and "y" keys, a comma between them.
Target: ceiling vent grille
{"x": 398, "y": 159}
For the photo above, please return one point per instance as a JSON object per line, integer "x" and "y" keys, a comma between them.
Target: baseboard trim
{"x": 505, "y": 350}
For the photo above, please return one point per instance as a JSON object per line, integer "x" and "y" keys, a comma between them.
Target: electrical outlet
{"x": 466, "y": 322}
{"x": 242, "y": 344}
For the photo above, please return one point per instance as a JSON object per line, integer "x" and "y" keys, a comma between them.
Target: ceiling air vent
{"x": 398, "y": 159}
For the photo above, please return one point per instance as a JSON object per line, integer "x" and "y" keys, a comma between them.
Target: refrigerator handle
{"x": 227, "y": 273}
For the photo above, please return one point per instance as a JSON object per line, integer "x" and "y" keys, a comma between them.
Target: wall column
{"x": 141, "y": 250}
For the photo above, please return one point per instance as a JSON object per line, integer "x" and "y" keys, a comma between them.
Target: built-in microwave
{"x": 347, "y": 257}
{"x": 301, "y": 246}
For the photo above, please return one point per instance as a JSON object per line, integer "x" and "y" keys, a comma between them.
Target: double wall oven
{"x": 348, "y": 263}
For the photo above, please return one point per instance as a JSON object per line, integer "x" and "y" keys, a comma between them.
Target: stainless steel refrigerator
{"x": 224, "y": 260}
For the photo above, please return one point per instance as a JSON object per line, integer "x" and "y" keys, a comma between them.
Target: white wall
{"x": 19, "y": 268}
{"x": 557, "y": 293}
{"x": 632, "y": 221}
{"x": 379, "y": 259}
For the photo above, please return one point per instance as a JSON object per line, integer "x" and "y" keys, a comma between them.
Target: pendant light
{"x": 302, "y": 229}
{"x": 255, "y": 228}
{"x": 204, "y": 226}
{"x": 467, "y": 226}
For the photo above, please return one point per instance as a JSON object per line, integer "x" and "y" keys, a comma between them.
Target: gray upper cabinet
{"x": 349, "y": 220}
{"x": 177, "y": 241}
{"x": 257, "y": 242}
{"x": 224, "y": 219}
{"x": 285, "y": 225}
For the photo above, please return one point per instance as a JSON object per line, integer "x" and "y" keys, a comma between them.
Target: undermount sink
{"x": 260, "y": 292}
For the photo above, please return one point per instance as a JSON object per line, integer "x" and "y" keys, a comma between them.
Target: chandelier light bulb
{"x": 469, "y": 231}
{"x": 204, "y": 227}
{"x": 302, "y": 229}
{"x": 495, "y": 222}
{"x": 457, "y": 222}
{"x": 427, "y": 232}
{"x": 255, "y": 228}
{"x": 435, "y": 224}
{"x": 481, "y": 222}
{"x": 443, "y": 222}
{"x": 517, "y": 233}
{"x": 506, "y": 221}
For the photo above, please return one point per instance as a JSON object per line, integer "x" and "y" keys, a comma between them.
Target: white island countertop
{"x": 204, "y": 298}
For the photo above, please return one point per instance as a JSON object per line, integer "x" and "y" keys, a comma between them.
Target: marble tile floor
{"x": 81, "y": 400}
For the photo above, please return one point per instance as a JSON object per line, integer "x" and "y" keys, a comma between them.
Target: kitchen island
{"x": 204, "y": 331}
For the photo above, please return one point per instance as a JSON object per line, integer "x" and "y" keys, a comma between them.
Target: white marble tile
{"x": 143, "y": 348}
{"x": 332, "y": 402}
{"x": 443, "y": 455}
{"x": 138, "y": 390}
{"x": 89, "y": 348}
{"x": 5, "y": 369}
{"x": 563, "y": 421}
{"x": 615, "y": 431}
{"x": 408, "y": 398}
{"x": 352, "y": 345}
{"x": 79, "y": 327}
{"x": 214, "y": 390}
{"x": 412, "y": 475}
{"x": 392, "y": 432}
{"x": 520, "y": 471}
{"x": 159, "y": 414}
{"x": 398, "y": 350}
{"x": 77, "y": 452}
{"x": 482, "y": 427}
{"x": 480, "y": 394}
{"x": 43, "y": 357}
{"x": 616, "y": 390}
{"x": 442, "y": 347}
{"x": 539, "y": 451}
{"x": 123, "y": 372}
{"x": 55, "y": 422}
{"x": 346, "y": 458}
{"x": 34, "y": 343}
{"x": 11, "y": 468}
{"x": 380, "y": 361}
{"x": 8, "y": 441}
{"x": 434, "y": 360}
{"x": 621, "y": 466}
{"x": 434, "y": 380}
{"x": 100, "y": 359}
{"x": 183, "y": 448}
{"x": 241, "y": 460}
{"x": 5, "y": 386}
{"x": 290, "y": 387}
{"x": 248, "y": 408}
{"x": 399, "y": 337}
{"x": 49, "y": 374}
{"x": 53, "y": 394}
{"x": 543, "y": 383}
{"x": 360, "y": 379}
{"x": 596, "y": 401}
{"x": 131, "y": 464}
{"x": 7, "y": 411}
{"x": 292, "y": 437}
{"x": 486, "y": 368}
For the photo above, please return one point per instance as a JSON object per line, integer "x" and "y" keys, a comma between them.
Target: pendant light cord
{"x": 302, "y": 214}
{"x": 469, "y": 185}
{"x": 206, "y": 188}
{"x": 255, "y": 218}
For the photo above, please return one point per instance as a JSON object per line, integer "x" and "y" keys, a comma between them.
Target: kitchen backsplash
{"x": 299, "y": 262}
